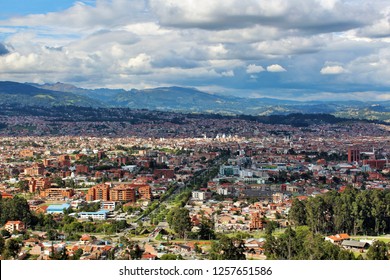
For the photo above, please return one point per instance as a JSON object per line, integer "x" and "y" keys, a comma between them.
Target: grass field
{"x": 384, "y": 238}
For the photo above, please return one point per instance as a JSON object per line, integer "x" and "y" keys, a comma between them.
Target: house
{"x": 39, "y": 209}
{"x": 353, "y": 244}
{"x": 99, "y": 215}
{"x": 6, "y": 195}
{"x": 181, "y": 248}
{"x": 85, "y": 239}
{"x": 254, "y": 246}
{"x": 201, "y": 196}
{"x": 150, "y": 249}
{"x": 148, "y": 256}
{"x": 338, "y": 238}
{"x": 12, "y": 226}
{"x": 31, "y": 242}
{"x": 37, "y": 250}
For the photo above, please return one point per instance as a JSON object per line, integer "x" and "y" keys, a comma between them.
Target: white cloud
{"x": 199, "y": 43}
{"x": 332, "y": 70}
{"x": 15, "y": 62}
{"x": 229, "y": 73}
{"x": 140, "y": 63}
{"x": 322, "y": 16}
{"x": 275, "y": 68}
{"x": 253, "y": 68}
{"x": 106, "y": 13}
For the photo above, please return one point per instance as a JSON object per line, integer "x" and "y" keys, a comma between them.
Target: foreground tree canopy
{"x": 352, "y": 211}
{"x": 302, "y": 244}
{"x": 14, "y": 209}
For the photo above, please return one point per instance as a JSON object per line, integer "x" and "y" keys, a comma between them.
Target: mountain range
{"x": 181, "y": 99}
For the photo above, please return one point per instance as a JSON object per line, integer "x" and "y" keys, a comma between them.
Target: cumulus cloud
{"x": 332, "y": 70}
{"x": 15, "y": 62}
{"x": 253, "y": 68}
{"x": 322, "y": 16}
{"x": 229, "y": 73}
{"x": 379, "y": 29}
{"x": 139, "y": 64}
{"x": 275, "y": 68}
{"x": 106, "y": 13}
{"x": 201, "y": 43}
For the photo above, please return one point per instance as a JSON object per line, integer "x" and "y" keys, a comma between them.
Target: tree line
{"x": 351, "y": 211}
{"x": 303, "y": 244}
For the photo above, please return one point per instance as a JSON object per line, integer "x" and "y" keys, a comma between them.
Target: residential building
{"x": 123, "y": 193}
{"x": 12, "y": 226}
{"x": 99, "y": 192}
{"x": 57, "y": 193}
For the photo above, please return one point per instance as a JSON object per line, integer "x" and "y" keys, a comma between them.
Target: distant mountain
{"x": 102, "y": 94}
{"x": 28, "y": 95}
{"x": 181, "y": 99}
{"x": 185, "y": 100}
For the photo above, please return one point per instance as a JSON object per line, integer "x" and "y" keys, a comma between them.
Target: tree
{"x": 52, "y": 234}
{"x": 171, "y": 257}
{"x": 227, "y": 249}
{"x": 15, "y": 209}
{"x": 5, "y": 233}
{"x": 77, "y": 254}
{"x": 378, "y": 251}
{"x": 59, "y": 182}
{"x": 206, "y": 231}
{"x": 378, "y": 209}
{"x": 22, "y": 185}
{"x": 179, "y": 220}
{"x": 49, "y": 222}
{"x": 11, "y": 248}
{"x": 2, "y": 244}
{"x": 136, "y": 252}
{"x": 58, "y": 255}
{"x": 316, "y": 210}
{"x": 303, "y": 244}
{"x": 197, "y": 248}
{"x": 297, "y": 213}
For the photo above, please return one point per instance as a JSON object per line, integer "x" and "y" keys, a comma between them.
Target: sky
{"x": 287, "y": 49}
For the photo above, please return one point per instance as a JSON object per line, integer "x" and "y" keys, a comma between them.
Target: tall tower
{"x": 353, "y": 154}
{"x": 256, "y": 221}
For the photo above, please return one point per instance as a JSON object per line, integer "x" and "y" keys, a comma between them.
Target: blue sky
{"x": 14, "y": 8}
{"x": 295, "y": 49}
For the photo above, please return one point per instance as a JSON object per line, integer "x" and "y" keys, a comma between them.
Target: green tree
{"x": 11, "y": 249}
{"x": 378, "y": 210}
{"x": 227, "y": 249}
{"x": 2, "y": 244}
{"x": 77, "y": 254}
{"x": 5, "y": 233}
{"x": 15, "y": 209}
{"x": 22, "y": 185}
{"x": 52, "y": 234}
{"x": 197, "y": 248}
{"x": 362, "y": 213}
{"x": 379, "y": 250}
{"x": 316, "y": 214}
{"x": 297, "y": 213}
{"x": 58, "y": 255}
{"x": 59, "y": 182}
{"x": 179, "y": 220}
{"x": 136, "y": 252}
{"x": 171, "y": 257}
{"x": 343, "y": 211}
{"x": 206, "y": 231}
{"x": 303, "y": 244}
